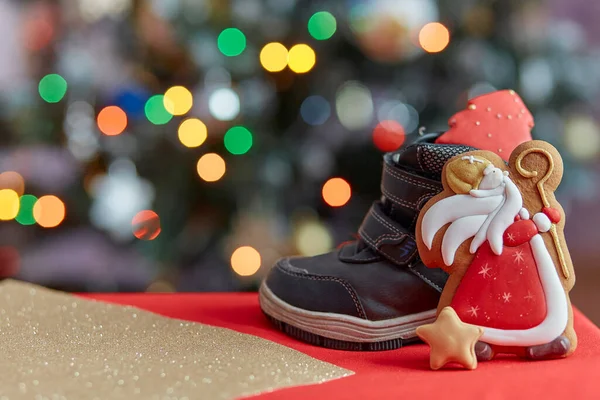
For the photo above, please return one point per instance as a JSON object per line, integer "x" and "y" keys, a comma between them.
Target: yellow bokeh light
{"x": 9, "y": 204}
{"x": 192, "y": 132}
{"x": 313, "y": 238}
{"x": 49, "y": 211}
{"x": 274, "y": 57}
{"x": 211, "y": 167}
{"x": 245, "y": 261}
{"x": 301, "y": 58}
{"x": 178, "y": 100}
{"x": 434, "y": 37}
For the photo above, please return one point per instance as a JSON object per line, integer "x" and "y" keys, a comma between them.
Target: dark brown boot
{"x": 373, "y": 293}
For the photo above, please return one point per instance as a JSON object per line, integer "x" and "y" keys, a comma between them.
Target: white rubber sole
{"x": 342, "y": 327}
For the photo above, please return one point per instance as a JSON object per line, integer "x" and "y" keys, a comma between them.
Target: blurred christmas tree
{"x": 240, "y": 131}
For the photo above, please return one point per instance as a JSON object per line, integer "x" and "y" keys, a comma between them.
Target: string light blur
{"x": 9, "y": 204}
{"x": 211, "y": 167}
{"x": 322, "y": 25}
{"x": 582, "y": 137}
{"x": 405, "y": 114}
{"x": 315, "y": 110}
{"x": 52, "y": 88}
{"x": 231, "y": 42}
{"x": 178, "y": 100}
{"x": 301, "y": 58}
{"x": 245, "y": 261}
{"x": 112, "y": 120}
{"x": 49, "y": 211}
{"x": 12, "y": 180}
{"x": 354, "y": 105}
{"x": 274, "y": 57}
{"x": 217, "y": 77}
{"x": 192, "y": 132}
{"x": 94, "y": 10}
{"x": 155, "y": 110}
{"x": 313, "y": 238}
{"x": 161, "y": 286}
{"x": 146, "y": 225}
{"x": 25, "y": 215}
{"x": 336, "y": 192}
{"x": 238, "y": 140}
{"x": 434, "y": 37}
{"x": 388, "y": 135}
{"x": 132, "y": 100}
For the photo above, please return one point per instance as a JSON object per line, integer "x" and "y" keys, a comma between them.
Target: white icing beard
{"x": 484, "y": 214}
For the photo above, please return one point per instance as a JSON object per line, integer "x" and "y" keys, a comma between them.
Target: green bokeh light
{"x": 231, "y": 42}
{"x": 155, "y": 110}
{"x": 25, "y": 216}
{"x": 52, "y": 88}
{"x": 322, "y": 25}
{"x": 238, "y": 140}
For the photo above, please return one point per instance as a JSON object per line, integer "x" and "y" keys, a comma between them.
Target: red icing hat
{"x": 497, "y": 121}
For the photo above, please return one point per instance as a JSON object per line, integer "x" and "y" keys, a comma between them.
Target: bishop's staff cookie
{"x": 498, "y": 231}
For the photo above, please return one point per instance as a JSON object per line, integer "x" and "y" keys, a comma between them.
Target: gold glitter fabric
{"x": 58, "y": 346}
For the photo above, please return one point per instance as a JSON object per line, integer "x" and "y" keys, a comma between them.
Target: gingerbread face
{"x": 497, "y": 230}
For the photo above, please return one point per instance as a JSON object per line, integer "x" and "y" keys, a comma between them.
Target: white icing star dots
{"x": 529, "y": 296}
{"x": 519, "y": 256}
{"x": 473, "y": 311}
{"x": 485, "y": 271}
{"x": 506, "y": 297}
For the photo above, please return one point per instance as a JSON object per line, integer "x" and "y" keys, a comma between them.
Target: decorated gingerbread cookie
{"x": 498, "y": 231}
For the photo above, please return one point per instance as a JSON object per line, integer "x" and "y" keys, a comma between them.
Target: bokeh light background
{"x": 185, "y": 145}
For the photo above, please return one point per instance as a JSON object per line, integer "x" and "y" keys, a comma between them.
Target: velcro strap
{"x": 387, "y": 237}
{"x": 406, "y": 189}
{"x": 398, "y": 245}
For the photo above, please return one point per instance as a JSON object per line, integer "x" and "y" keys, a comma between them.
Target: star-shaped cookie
{"x": 450, "y": 340}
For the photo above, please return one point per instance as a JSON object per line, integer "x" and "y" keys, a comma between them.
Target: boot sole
{"x": 338, "y": 331}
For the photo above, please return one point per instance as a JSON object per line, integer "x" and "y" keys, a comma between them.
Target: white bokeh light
{"x": 224, "y": 104}
{"x": 354, "y": 105}
{"x": 118, "y": 196}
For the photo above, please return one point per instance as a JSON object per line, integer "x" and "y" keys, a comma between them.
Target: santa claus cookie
{"x": 498, "y": 231}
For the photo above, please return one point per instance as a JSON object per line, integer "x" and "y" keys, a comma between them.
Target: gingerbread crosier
{"x": 498, "y": 232}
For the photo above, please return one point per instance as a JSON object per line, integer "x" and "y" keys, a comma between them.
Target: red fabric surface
{"x": 398, "y": 374}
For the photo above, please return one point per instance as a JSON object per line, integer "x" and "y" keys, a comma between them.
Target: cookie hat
{"x": 497, "y": 121}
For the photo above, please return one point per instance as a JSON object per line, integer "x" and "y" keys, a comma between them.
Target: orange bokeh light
{"x": 112, "y": 120}
{"x": 146, "y": 225}
{"x": 388, "y": 135}
{"x": 49, "y": 211}
{"x": 434, "y": 37}
{"x": 12, "y": 180}
{"x": 245, "y": 261}
{"x": 336, "y": 192}
{"x": 211, "y": 167}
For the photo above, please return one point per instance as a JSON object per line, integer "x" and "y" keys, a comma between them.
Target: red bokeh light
{"x": 388, "y": 135}
{"x": 146, "y": 225}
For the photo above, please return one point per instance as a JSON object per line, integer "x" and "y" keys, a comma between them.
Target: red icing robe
{"x": 505, "y": 291}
